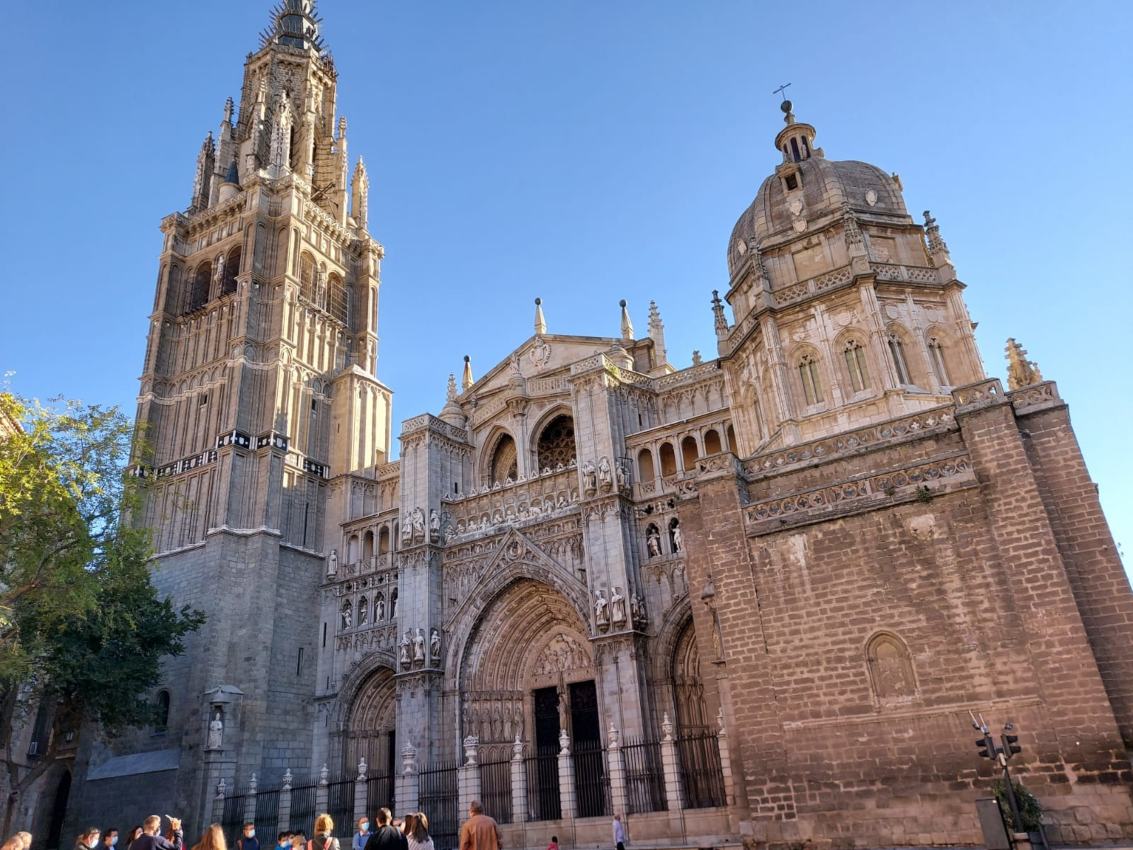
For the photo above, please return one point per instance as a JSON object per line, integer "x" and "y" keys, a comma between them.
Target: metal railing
{"x": 303, "y": 808}
{"x": 645, "y": 776}
{"x": 438, "y": 798}
{"x": 495, "y": 788}
{"x": 340, "y": 805}
{"x": 232, "y": 815}
{"x": 591, "y": 781}
{"x": 542, "y": 771}
{"x": 379, "y": 792}
{"x": 267, "y": 813}
{"x": 702, "y": 777}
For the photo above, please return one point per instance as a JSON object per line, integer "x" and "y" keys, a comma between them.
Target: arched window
{"x": 394, "y": 539}
{"x": 936, "y": 356}
{"x": 307, "y": 276}
{"x": 393, "y": 604}
{"x": 897, "y": 352}
{"x": 346, "y": 616}
{"x": 367, "y": 545}
{"x": 731, "y": 432}
{"x": 645, "y": 470}
{"x": 689, "y": 453}
{"x": 556, "y": 443}
{"x": 383, "y": 540}
{"x": 810, "y": 379}
{"x": 712, "y": 442}
{"x": 231, "y": 269}
{"x": 199, "y": 292}
{"x": 338, "y": 303}
{"x": 503, "y": 465}
{"x": 363, "y": 611}
{"x": 352, "y": 549}
{"x": 854, "y": 355}
{"x": 161, "y": 721}
{"x": 668, "y": 460}
{"x": 890, "y": 668}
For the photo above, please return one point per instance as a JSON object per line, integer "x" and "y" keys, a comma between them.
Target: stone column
{"x": 567, "y": 800}
{"x": 322, "y": 795}
{"x": 250, "y": 801}
{"x": 725, "y": 760}
{"x": 615, "y": 764}
{"x": 361, "y": 789}
{"x": 468, "y": 780}
{"x": 518, "y": 783}
{"x": 285, "y": 803}
{"x": 674, "y": 794}
{"x": 406, "y": 793}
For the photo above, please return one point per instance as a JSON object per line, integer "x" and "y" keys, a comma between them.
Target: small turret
{"x": 540, "y": 322}
{"x": 451, "y": 412}
{"x": 657, "y": 334}
{"x": 360, "y": 191}
{"x": 627, "y": 324}
{"x": 720, "y": 321}
{"x": 937, "y": 249}
{"x": 203, "y": 179}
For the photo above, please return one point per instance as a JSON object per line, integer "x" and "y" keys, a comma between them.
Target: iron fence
{"x": 645, "y": 776}
{"x": 542, "y": 770}
{"x": 495, "y": 788}
{"x": 232, "y": 815}
{"x": 267, "y": 813}
{"x": 702, "y": 777}
{"x": 302, "y": 809}
{"x": 379, "y": 793}
{"x": 591, "y": 781}
{"x": 438, "y": 798}
{"x": 340, "y": 805}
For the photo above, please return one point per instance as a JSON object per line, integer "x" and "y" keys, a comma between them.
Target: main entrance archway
{"x": 370, "y": 725}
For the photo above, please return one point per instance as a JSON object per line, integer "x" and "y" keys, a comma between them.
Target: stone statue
{"x": 601, "y": 610}
{"x": 653, "y": 541}
{"x": 379, "y": 609}
{"x": 363, "y": 611}
{"x": 589, "y": 481}
{"x": 617, "y": 606}
{"x": 678, "y": 540}
{"x": 332, "y": 563}
{"x": 347, "y": 616}
{"x": 434, "y": 526}
{"x": 620, "y": 473}
{"x": 605, "y": 474}
{"x": 406, "y": 640}
{"x": 435, "y": 646}
{"x": 418, "y": 519}
{"x": 419, "y": 646}
{"x": 216, "y": 732}
{"x": 637, "y": 611}
{"x": 220, "y": 269}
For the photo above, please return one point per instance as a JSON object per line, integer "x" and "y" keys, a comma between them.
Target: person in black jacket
{"x": 386, "y": 837}
{"x": 150, "y": 840}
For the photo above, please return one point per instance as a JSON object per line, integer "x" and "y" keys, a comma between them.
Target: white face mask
{"x": 364, "y": 827}
{"x": 251, "y": 833}
{"x": 113, "y": 840}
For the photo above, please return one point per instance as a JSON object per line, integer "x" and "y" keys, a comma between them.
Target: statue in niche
{"x": 419, "y": 646}
{"x": 620, "y": 473}
{"x": 220, "y": 269}
{"x": 418, "y": 519}
{"x": 601, "y": 610}
{"x": 363, "y": 611}
{"x": 332, "y": 563}
{"x": 605, "y": 474}
{"x": 564, "y": 711}
{"x": 379, "y": 608}
{"x": 347, "y": 616}
{"x": 216, "y": 730}
{"x": 407, "y": 533}
{"x": 406, "y": 641}
{"x": 434, "y": 526}
{"x": 589, "y": 480}
{"x": 637, "y": 611}
{"x": 653, "y": 541}
{"x": 617, "y": 606}
{"x": 892, "y": 672}
{"x": 435, "y": 646}
{"x": 675, "y": 535}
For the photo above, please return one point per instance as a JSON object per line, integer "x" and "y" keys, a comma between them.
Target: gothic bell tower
{"x": 259, "y": 399}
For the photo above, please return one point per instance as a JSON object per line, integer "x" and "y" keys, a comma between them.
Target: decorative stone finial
{"x": 471, "y": 749}
{"x": 627, "y": 325}
{"x": 936, "y": 245}
{"x": 788, "y": 115}
{"x": 466, "y": 380}
{"x": 613, "y": 736}
{"x": 564, "y": 743}
{"x": 229, "y": 107}
{"x": 287, "y": 779}
{"x": 221, "y": 787}
{"x": 324, "y": 774}
{"x": 1021, "y": 372}
{"x": 540, "y": 322}
{"x": 666, "y": 727}
{"x": 252, "y": 783}
{"x": 517, "y": 748}
{"x": 696, "y": 358}
{"x": 719, "y": 319}
{"x": 363, "y": 768}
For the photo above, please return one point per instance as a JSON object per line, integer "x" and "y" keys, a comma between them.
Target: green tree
{"x": 81, "y": 624}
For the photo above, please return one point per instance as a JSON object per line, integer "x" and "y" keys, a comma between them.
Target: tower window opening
{"x": 936, "y": 354}
{"x": 299, "y": 662}
{"x": 856, "y": 365}
{"x": 811, "y": 381}
{"x": 795, "y": 150}
{"x": 792, "y": 181}
{"x": 897, "y": 351}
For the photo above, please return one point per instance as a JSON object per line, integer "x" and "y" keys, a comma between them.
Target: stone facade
{"x": 814, "y": 554}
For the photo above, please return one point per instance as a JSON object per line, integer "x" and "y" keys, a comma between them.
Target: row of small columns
{"x": 407, "y": 789}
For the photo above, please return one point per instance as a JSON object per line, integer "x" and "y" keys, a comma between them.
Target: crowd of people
{"x": 479, "y": 832}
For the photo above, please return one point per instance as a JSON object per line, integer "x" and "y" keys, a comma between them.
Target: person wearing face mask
{"x": 362, "y": 835}
{"x": 248, "y": 842}
{"x": 150, "y": 840}
{"x": 88, "y": 839}
{"x": 110, "y": 838}
{"x": 283, "y": 841}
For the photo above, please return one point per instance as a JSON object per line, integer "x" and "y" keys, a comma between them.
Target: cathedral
{"x": 757, "y": 601}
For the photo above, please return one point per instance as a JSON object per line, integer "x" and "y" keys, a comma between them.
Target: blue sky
{"x": 586, "y": 152}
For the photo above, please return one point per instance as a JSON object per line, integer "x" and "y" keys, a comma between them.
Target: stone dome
{"x": 811, "y": 187}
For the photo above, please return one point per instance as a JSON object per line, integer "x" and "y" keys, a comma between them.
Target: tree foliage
{"x": 81, "y": 623}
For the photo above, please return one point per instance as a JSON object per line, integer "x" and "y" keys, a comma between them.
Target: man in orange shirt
{"x": 479, "y": 832}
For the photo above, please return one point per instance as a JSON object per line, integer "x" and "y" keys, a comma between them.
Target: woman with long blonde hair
{"x": 19, "y": 841}
{"x": 323, "y": 839}
{"x": 213, "y": 839}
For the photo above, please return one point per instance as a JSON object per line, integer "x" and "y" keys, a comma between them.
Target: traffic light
{"x": 1011, "y": 745}
{"x": 986, "y": 747}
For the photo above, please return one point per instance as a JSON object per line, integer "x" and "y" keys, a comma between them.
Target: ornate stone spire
{"x": 229, "y": 108}
{"x": 202, "y": 180}
{"x": 657, "y": 334}
{"x": 466, "y": 379}
{"x": 360, "y": 188}
{"x": 540, "y": 322}
{"x": 719, "y": 319}
{"x": 451, "y": 412}
{"x": 1021, "y": 372}
{"x": 937, "y": 249}
{"x": 627, "y": 324}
